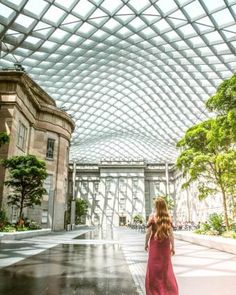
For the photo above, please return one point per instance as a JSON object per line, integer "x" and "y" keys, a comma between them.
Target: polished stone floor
{"x": 90, "y": 262}
{"x": 68, "y": 268}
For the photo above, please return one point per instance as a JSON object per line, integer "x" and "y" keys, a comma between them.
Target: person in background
{"x": 159, "y": 242}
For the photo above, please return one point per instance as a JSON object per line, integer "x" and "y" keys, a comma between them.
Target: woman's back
{"x": 160, "y": 278}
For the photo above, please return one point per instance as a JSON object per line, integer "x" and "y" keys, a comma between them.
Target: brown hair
{"x": 163, "y": 221}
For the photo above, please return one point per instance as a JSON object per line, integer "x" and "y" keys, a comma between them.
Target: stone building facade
{"x": 117, "y": 191}
{"x": 36, "y": 126}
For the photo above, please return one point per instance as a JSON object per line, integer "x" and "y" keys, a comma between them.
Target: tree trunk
{"x": 225, "y": 207}
{"x": 21, "y": 206}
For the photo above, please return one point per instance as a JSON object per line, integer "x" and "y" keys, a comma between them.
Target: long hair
{"x": 163, "y": 221}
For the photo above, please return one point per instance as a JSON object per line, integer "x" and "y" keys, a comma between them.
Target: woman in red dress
{"x": 160, "y": 277}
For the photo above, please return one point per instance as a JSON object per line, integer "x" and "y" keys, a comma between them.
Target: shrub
{"x": 9, "y": 228}
{"x": 3, "y": 219}
{"x": 233, "y": 227}
{"x": 216, "y": 222}
{"x": 81, "y": 208}
{"x": 212, "y": 232}
{"x": 229, "y": 234}
{"x": 138, "y": 218}
{"x": 21, "y": 228}
{"x": 205, "y": 226}
{"x": 199, "y": 231}
{"x": 34, "y": 225}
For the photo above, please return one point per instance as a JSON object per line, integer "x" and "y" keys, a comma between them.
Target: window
{"x": 67, "y": 156}
{"x": 48, "y": 183}
{"x": 22, "y": 134}
{"x": 44, "y": 216}
{"x": 96, "y": 185}
{"x": 14, "y": 216}
{"x": 50, "y": 148}
{"x": 84, "y": 188}
{"x": 123, "y": 186}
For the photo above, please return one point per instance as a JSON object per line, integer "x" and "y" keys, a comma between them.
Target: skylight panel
{"x": 194, "y": 10}
{"x": 161, "y": 26}
{"x": 214, "y": 5}
{"x": 30, "y": 7}
{"x": 166, "y": 6}
{"x": 24, "y": 21}
{"x": 172, "y": 36}
{"x": 59, "y": 35}
{"x": 16, "y": 4}
{"x": 139, "y": 6}
{"x": 137, "y": 24}
{"x": 223, "y": 18}
{"x": 67, "y": 4}
{"x": 214, "y": 37}
{"x": 86, "y": 29}
{"x": 111, "y": 6}
{"x": 205, "y": 51}
{"x": 33, "y": 40}
{"x": 222, "y": 48}
{"x": 197, "y": 41}
{"x": 54, "y": 15}
{"x": 83, "y": 9}
{"x": 100, "y": 35}
{"x": 112, "y": 25}
{"x": 98, "y": 16}
{"x": 49, "y": 45}
{"x": 187, "y": 31}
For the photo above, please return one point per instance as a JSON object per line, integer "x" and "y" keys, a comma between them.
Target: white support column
{"x": 167, "y": 179}
{"x": 72, "y": 212}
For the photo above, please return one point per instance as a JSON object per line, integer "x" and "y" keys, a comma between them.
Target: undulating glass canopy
{"x": 134, "y": 74}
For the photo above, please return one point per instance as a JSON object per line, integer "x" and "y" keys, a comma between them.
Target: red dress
{"x": 160, "y": 277}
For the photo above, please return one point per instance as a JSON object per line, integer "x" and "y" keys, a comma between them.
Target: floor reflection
{"x": 99, "y": 234}
{"x": 71, "y": 269}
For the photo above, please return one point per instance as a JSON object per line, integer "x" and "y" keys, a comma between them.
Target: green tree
{"x": 138, "y": 218}
{"x": 224, "y": 100}
{"x": 81, "y": 208}
{"x": 4, "y": 138}
{"x": 223, "y": 103}
{"x": 26, "y": 177}
{"x": 208, "y": 158}
{"x": 169, "y": 202}
{"x": 208, "y": 153}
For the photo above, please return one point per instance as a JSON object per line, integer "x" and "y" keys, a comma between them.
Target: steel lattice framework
{"x": 134, "y": 74}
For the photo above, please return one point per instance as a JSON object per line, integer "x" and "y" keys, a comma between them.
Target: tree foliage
{"x": 224, "y": 99}
{"x": 4, "y": 138}
{"x": 81, "y": 208}
{"x": 26, "y": 177}
{"x": 169, "y": 202}
{"x": 208, "y": 154}
{"x": 138, "y": 218}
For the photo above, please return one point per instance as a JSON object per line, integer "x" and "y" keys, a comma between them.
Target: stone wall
{"x": 22, "y": 100}
{"x": 116, "y": 192}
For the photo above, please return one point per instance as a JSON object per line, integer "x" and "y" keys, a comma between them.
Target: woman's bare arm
{"x": 147, "y": 237}
{"x": 172, "y": 242}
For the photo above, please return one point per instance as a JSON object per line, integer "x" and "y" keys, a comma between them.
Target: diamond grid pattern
{"x": 133, "y": 74}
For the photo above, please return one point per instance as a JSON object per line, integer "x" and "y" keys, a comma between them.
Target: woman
{"x": 160, "y": 278}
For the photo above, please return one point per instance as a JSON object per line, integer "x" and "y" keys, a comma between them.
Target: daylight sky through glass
{"x": 133, "y": 74}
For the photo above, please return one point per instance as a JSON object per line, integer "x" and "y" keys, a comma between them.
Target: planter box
{"x": 214, "y": 242}
{"x": 24, "y": 234}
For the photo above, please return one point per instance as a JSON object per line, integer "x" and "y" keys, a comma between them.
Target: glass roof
{"x": 133, "y": 74}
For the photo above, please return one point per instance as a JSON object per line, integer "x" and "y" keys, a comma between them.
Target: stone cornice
{"x": 40, "y": 99}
